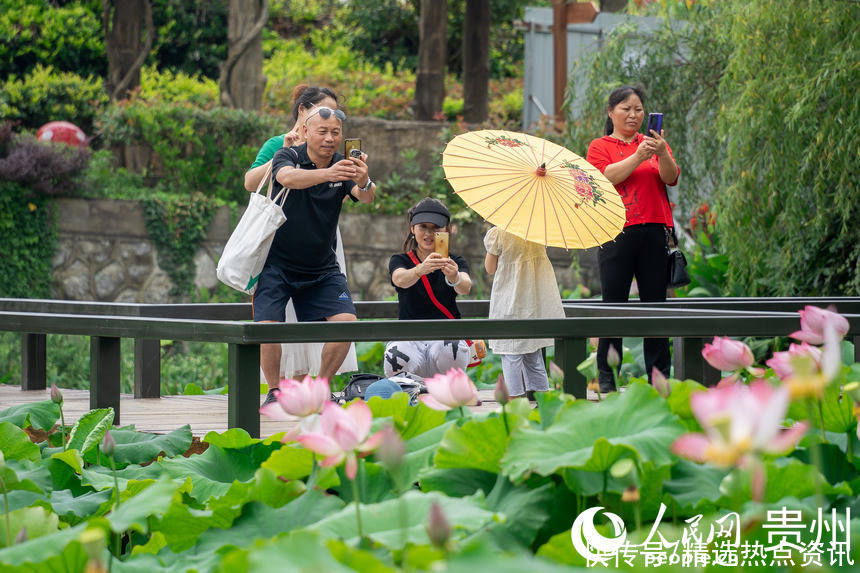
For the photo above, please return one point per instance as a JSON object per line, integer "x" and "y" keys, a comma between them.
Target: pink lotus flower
{"x": 809, "y": 378}
{"x": 740, "y": 422}
{"x": 343, "y": 436}
{"x": 449, "y": 391}
{"x": 727, "y": 354}
{"x": 813, "y": 321}
{"x": 299, "y": 399}
{"x": 659, "y": 382}
{"x": 782, "y": 361}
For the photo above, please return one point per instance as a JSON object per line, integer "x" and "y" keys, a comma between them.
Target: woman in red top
{"x": 640, "y": 167}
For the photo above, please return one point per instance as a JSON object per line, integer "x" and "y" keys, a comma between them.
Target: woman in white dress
{"x": 304, "y": 358}
{"x": 524, "y": 286}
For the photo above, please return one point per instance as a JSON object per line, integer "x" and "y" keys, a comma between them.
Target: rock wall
{"x": 104, "y": 253}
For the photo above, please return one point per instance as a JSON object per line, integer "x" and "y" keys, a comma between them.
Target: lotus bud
{"x": 56, "y": 395}
{"x": 22, "y": 536}
{"x": 631, "y": 494}
{"x": 94, "y": 542}
{"x": 437, "y": 526}
{"x": 612, "y": 357}
{"x": 555, "y": 371}
{"x": 501, "y": 393}
{"x": 392, "y": 449}
{"x": 660, "y": 383}
{"x": 108, "y": 444}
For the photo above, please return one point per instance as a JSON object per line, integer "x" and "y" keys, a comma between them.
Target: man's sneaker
{"x": 270, "y": 396}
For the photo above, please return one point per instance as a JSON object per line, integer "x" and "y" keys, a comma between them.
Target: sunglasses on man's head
{"x": 325, "y": 113}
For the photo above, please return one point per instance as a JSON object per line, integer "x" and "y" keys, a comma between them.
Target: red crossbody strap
{"x": 429, "y": 290}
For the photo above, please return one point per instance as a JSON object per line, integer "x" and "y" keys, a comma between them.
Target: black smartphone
{"x": 655, "y": 122}
{"x": 352, "y": 147}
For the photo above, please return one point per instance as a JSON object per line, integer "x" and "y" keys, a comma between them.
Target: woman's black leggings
{"x": 640, "y": 252}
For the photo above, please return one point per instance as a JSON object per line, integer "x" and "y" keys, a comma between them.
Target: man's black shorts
{"x": 315, "y": 298}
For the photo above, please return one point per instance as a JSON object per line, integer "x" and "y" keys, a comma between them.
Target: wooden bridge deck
{"x": 162, "y": 415}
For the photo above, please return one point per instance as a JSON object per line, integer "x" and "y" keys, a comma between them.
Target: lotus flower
{"x": 810, "y": 377}
{"x": 660, "y": 383}
{"x": 56, "y": 395}
{"x": 449, "y": 391}
{"x": 813, "y": 321}
{"x": 299, "y": 399}
{"x": 739, "y": 422}
{"x": 501, "y": 393}
{"x": 726, "y": 354}
{"x": 342, "y": 435}
{"x": 437, "y": 526}
{"x": 782, "y": 361}
{"x": 108, "y": 444}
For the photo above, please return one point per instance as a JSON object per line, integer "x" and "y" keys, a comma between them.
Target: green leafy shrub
{"x": 38, "y": 33}
{"x": 191, "y": 37}
{"x": 30, "y": 172}
{"x": 104, "y": 178}
{"x": 789, "y": 181}
{"x": 367, "y": 90}
{"x": 27, "y": 241}
{"x": 178, "y": 224}
{"x": 173, "y": 87}
{"x": 45, "y": 94}
{"x": 194, "y": 149}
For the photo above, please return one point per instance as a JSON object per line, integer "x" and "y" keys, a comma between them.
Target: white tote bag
{"x": 246, "y": 250}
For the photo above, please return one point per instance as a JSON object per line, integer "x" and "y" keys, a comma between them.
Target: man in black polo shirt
{"x": 301, "y": 264}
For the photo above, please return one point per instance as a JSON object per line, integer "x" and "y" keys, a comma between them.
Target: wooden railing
{"x": 691, "y": 322}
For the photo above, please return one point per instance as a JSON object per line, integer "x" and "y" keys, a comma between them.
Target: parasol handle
{"x": 541, "y": 171}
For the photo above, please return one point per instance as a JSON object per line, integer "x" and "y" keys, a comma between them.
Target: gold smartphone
{"x": 352, "y": 147}
{"x": 442, "y": 243}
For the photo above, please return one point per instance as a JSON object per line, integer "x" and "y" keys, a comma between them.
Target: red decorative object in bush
{"x": 62, "y": 131}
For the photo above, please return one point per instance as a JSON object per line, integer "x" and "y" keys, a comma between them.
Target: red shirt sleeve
{"x": 598, "y": 155}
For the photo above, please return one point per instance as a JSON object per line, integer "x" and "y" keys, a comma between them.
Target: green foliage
{"x": 178, "y": 225}
{"x": 45, "y": 94}
{"x": 28, "y": 240}
{"x": 191, "y": 37}
{"x": 105, "y": 179}
{"x": 172, "y": 87}
{"x": 754, "y": 131}
{"x": 195, "y": 149}
{"x": 788, "y": 202}
{"x": 321, "y": 59}
{"x": 386, "y": 32}
{"x": 35, "y": 33}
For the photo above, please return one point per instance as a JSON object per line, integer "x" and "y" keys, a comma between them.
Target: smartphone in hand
{"x": 442, "y": 243}
{"x": 655, "y": 122}
{"x": 352, "y": 147}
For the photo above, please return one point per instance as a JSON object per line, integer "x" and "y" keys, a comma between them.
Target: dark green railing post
{"x": 569, "y": 353}
{"x": 147, "y": 368}
{"x": 689, "y": 362}
{"x": 243, "y": 381}
{"x": 105, "y": 374}
{"x": 33, "y": 362}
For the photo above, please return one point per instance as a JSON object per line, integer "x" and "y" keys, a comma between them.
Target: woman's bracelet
{"x": 450, "y": 284}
